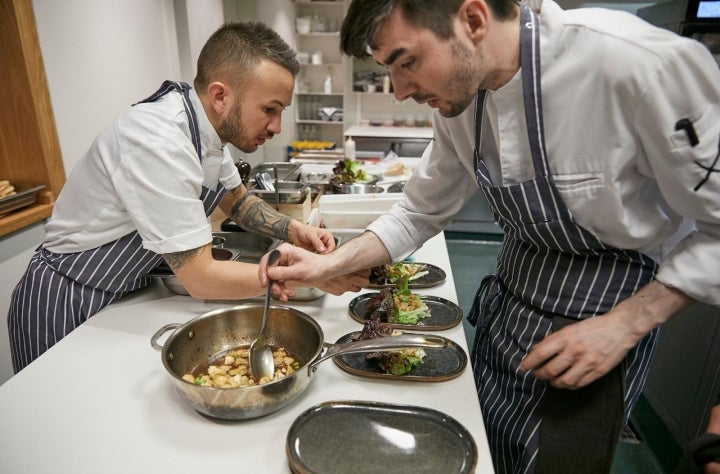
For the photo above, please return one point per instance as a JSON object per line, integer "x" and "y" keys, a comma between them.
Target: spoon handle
{"x": 272, "y": 258}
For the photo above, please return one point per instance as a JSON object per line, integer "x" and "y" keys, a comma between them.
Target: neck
{"x": 502, "y": 51}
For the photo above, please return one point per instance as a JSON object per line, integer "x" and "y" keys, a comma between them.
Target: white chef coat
{"x": 143, "y": 173}
{"x": 613, "y": 88}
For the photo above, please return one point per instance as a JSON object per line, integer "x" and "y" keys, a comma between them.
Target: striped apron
{"x": 58, "y": 292}
{"x": 550, "y": 272}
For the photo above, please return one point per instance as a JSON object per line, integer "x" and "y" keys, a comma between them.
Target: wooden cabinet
{"x": 29, "y": 146}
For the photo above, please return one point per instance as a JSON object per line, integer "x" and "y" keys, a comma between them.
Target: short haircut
{"x": 236, "y": 49}
{"x": 364, "y": 17}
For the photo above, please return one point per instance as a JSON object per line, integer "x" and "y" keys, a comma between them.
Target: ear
{"x": 474, "y": 16}
{"x": 218, "y": 96}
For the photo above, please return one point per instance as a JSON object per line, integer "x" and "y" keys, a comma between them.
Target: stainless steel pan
{"x": 201, "y": 339}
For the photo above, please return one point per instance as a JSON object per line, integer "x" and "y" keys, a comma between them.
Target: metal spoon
{"x": 261, "y": 357}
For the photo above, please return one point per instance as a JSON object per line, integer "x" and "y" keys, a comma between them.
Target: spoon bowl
{"x": 260, "y": 356}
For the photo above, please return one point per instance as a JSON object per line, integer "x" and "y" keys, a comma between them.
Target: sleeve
{"x": 687, "y": 87}
{"x": 159, "y": 183}
{"x": 438, "y": 188}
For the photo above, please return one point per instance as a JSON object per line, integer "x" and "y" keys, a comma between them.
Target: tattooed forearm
{"x": 255, "y": 215}
{"x": 177, "y": 259}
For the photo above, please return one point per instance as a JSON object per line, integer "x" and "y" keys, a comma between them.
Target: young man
{"x": 145, "y": 188}
{"x": 593, "y": 135}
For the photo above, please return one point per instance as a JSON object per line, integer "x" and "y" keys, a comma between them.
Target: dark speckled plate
{"x": 435, "y": 276}
{"x": 368, "y": 437}
{"x": 439, "y": 364}
{"x": 444, "y": 314}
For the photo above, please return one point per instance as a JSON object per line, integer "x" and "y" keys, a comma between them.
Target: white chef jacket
{"x": 142, "y": 173}
{"x": 613, "y": 88}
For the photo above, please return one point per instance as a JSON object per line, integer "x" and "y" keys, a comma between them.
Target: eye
{"x": 408, "y": 64}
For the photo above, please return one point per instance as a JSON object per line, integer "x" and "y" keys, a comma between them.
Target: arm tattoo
{"x": 177, "y": 259}
{"x": 255, "y": 215}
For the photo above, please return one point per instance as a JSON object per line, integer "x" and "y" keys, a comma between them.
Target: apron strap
{"x": 184, "y": 89}
{"x": 530, "y": 70}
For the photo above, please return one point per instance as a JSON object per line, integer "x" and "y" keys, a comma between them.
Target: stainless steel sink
{"x": 286, "y": 171}
{"x": 244, "y": 247}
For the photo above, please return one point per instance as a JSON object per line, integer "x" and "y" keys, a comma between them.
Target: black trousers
{"x": 580, "y": 428}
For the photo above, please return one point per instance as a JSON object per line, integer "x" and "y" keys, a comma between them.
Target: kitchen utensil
{"x": 195, "y": 342}
{"x": 361, "y": 189}
{"x": 377, "y": 437}
{"x": 264, "y": 181}
{"x": 444, "y": 314}
{"x": 260, "y": 356}
{"x": 276, "y": 187}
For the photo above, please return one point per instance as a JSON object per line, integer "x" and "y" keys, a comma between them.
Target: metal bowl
{"x": 361, "y": 189}
{"x": 337, "y": 184}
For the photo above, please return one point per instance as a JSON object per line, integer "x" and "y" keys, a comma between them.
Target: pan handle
{"x": 160, "y": 332}
{"x": 386, "y": 343}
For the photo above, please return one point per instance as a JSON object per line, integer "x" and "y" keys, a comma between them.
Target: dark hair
{"x": 364, "y": 17}
{"x": 235, "y": 49}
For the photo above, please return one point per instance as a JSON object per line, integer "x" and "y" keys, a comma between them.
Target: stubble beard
{"x": 232, "y": 131}
{"x": 462, "y": 81}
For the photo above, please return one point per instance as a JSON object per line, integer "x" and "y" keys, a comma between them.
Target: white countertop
{"x": 389, "y": 132}
{"x": 100, "y": 401}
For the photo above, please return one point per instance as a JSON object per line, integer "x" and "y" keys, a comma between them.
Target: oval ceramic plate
{"x": 435, "y": 276}
{"x": 439, "y": 364}
{"x": 369, "y": 437}
{"x": 444, "y": 314}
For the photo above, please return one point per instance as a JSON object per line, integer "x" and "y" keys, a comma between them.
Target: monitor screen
{"x": 708, "y": 9}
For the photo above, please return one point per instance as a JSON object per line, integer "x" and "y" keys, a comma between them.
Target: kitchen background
{"x": 100, "y": 56}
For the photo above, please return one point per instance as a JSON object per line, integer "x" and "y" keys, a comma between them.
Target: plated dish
{"x": 433, "y": 277}
{"x": 444, "y": 314}
{"x": 438, "y": 365}
{"x": 357, "y": 437}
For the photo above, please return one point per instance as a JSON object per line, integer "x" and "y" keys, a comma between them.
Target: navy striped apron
{"x": 550, "y": 271}
{"x": 58, "y": 292}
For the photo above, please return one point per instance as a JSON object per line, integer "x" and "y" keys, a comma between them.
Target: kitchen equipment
{"x": 195, "y": 342}
{"x": 286, "y": 171}
{"x": 361, "y": 189}
{"x": 337, "y": 184}
{"x": 261, "y": 355}
{"x": 242, "y": 247}
{"x": 365, "y": 437}
{"x": 289, "y": 192}
{"x": 264, "y": 181}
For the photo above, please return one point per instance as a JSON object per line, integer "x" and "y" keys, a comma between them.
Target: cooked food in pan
{"x": 233, "y": 370}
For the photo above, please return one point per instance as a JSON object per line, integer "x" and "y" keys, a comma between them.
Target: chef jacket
{"x": 142, "y": 173}
{"x": 613, "y": 89}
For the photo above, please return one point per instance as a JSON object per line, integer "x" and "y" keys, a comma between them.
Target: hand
{"x": 351, "y": 282}
{"x": 295, "y": 264}
{"x": 580, "y": 353}
{"x": 585, "y": 351}
{"x": 311, "y": 238}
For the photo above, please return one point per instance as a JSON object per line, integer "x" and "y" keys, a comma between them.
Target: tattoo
{"x": 255, "y": 215}
{"x": 177, "y": 259}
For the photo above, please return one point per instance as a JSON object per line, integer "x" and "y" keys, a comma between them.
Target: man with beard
{"x": 593, "y": 135}
{"x": 144, "y": 190}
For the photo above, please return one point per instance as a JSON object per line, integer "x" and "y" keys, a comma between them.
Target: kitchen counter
{"x": 389, "y": 132}
{"x": 101, "y": 401}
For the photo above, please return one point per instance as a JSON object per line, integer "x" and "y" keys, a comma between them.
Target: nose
{"x": 402, "y": 88}
{"x": 274, "y": 126}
